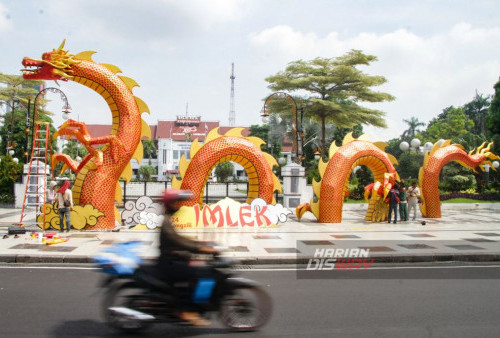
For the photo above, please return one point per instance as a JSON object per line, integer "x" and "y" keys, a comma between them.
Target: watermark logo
{"x": 340, "y": 259}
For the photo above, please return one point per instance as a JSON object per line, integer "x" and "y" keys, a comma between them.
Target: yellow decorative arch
{"x": 335, "y": 173}
{"x": 234, "y": 147}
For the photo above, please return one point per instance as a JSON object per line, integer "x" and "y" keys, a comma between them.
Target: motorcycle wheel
{"x": 127, "y": 295}
{"x": 247, "y": 308}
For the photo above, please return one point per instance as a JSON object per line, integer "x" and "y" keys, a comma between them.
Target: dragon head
{"x": 55, "y": 65}
{"x": 483, "y": 151}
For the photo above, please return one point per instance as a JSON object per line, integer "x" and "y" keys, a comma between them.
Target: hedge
{"x": 481, "y": 197}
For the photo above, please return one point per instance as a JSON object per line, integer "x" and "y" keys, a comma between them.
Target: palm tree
{"x": 478, "y": 110}
{"x": 413, "y": 124}
{"x": 149, "y": 149}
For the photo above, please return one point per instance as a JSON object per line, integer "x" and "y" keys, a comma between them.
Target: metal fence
{"x": 213, "y": 191}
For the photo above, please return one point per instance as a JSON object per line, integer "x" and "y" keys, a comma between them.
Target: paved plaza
{"x": 467, "y": 232}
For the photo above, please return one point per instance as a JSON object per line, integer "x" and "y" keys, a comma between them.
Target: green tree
{"x": 410, "y": 133}
{"x": 146, "y": 172}
{"x": 409, "y": 163}
{"x": 454, "y": 178}
{"x": 477, "y": 110}
{"x": 339, "y": 133}
{"x": 149, "y": 149}
{"x": 450, "y": 124}
{"x": 223, "y": 171}
{"x": 493, "y": 120}
{"x": 74, "y": 149}
{"x": 9, "y": 173}
{"x": 393, "y": 147}
{"x": 272, "y": 146}
{"x": 16, "y": 90}
{"x": 336, "y": 87}
{"x": 15, "y": 95}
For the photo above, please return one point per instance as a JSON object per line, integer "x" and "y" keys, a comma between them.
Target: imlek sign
{"x": 229, "y": 213}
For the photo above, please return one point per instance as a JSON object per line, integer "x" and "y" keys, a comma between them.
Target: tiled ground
{"x": 458, "y": 232}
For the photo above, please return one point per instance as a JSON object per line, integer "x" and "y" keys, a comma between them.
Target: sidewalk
{"x": 467, "y": 232}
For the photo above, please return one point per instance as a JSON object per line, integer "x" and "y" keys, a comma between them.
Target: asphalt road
{"x": 450, "y": 301}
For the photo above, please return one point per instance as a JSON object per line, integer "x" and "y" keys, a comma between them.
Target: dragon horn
{"x": 62, "y": 45}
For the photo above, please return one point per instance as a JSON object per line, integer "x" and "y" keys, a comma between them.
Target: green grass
{"x": 350, "y": 201}
{"x": 467, "y": 200}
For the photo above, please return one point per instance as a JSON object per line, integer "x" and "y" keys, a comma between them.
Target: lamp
{"x": 11, "y": 152}
{"x": 404, "y": 146}
{"x": 495, "y": 164}
{"x": 415, "y": 143}
{"x": 66, "y": 113}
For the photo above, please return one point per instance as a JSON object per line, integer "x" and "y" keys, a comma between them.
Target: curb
{"x": 72, "y": 259}
{"x": 384, "y": 259}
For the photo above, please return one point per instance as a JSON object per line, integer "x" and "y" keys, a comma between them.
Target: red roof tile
{"x": 169, "y": 129}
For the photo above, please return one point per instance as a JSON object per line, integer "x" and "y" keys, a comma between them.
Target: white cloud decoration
{"x": 150, "y": 219}
{"x": 275, "y": 213}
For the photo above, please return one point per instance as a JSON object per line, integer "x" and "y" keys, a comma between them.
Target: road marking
{"x": 273, "y": 269}
{"x": 376, "y": 268}
{"x": 48, "y": 267}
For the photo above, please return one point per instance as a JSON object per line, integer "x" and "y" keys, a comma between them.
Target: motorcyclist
{"x": 175, "y": 252}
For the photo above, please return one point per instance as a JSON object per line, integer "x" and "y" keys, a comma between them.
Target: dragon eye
{"x": 46, "y": 56}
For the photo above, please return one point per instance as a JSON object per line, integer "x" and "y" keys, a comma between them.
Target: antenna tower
{"x": 231, "y": 101}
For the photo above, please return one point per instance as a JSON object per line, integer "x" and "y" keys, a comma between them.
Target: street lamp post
{"x": 487, "y": 173}
{"x": 415, "y": 145}
{"x": 66, "y": 110}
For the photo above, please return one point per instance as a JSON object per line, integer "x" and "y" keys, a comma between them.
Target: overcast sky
{"x": 433, "y": 53}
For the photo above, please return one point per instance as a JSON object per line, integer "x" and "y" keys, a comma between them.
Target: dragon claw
{"x": 302, "y": 209}
{"x": 69, "y": 163}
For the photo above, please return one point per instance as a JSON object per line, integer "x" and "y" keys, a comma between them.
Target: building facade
{"x": 173, "y": 139}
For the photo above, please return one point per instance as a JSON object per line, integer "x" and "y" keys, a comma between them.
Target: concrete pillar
{"x": 294, "y": 183}
{"x": 36, "y": 178}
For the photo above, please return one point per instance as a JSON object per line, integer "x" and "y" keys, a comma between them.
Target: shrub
{"x": 481, "y": 197}
{"x": 7, "y": 199}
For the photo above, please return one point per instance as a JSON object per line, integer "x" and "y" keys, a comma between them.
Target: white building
{"x": 173, "y": 138}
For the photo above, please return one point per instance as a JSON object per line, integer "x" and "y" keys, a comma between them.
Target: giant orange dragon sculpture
{"x": 335, "y": 174}
{"x": 442, "y": 153}
{"x": 98, "y": 173}
{"x": 231, "y": 146}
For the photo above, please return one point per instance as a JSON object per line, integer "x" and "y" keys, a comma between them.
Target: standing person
{"x": 393, "y": 203}
{"x": 65, "y": 205}
{"x": 51, "y": 192}
{"x": 403, "y": 203}
{"x": 413, "y": 195}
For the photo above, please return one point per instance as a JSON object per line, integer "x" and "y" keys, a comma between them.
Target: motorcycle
{"x": 135, "y": 297}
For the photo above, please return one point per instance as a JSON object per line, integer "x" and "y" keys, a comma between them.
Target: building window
{"x": 164, "y": 156}
{"x": 176, "y": 154}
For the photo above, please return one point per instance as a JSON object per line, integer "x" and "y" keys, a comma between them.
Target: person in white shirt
{"x": 51, "y": 192}
{"x": 413, "y": 195}
{"x": 65, "y": 205}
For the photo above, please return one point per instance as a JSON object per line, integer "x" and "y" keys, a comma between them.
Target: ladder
{"x": 35, "y": 193}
